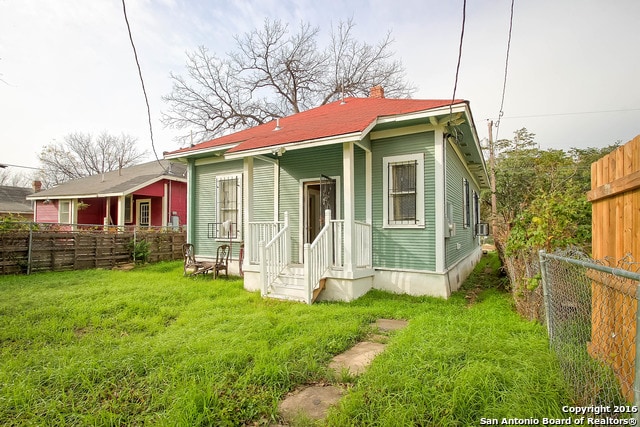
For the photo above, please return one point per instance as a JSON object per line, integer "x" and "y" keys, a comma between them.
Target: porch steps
{"x": 290, "y": 285}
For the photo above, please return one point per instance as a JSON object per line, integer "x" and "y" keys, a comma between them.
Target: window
{"x": 128, "y": 208}
{"x": 64, "y": 212}
{"x": 466, "y": 203}
{"x": 476, "y": 208}
{"x": 403, "y": 186}
{"x": 229, "y": 207}
{"x": 144, "y": 212}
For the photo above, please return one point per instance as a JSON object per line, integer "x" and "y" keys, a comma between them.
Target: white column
{"x": 120, "y": 219}
{"x": 247, "y": 216}
{"x": 165, "y": 205}
{"x": 349, "y": 206}
{"x": 441, "y": 205}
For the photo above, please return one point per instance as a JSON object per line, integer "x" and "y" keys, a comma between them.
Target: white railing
{"x": 260, "y": 232}
{"x": 363, "y": 244}
{"x": 318, "y": 257}
{"x": 362, "y": 250}
{"x": 275, "y": 255}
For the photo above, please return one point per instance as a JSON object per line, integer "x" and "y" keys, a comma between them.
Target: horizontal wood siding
{"x": 304, "y": 164}
{"x": 205, "y": 204}
{"x": 263, "y": 191}
{"x": 404, "y": 248}
{"x": 464, "y": 236}
{"x": 360, "y": 184}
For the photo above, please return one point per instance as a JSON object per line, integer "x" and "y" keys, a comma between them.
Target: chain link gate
{"x": 591, "y": 316}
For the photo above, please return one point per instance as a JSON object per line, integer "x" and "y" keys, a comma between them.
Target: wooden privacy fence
{"x": 615, "y": 199}
{"x": 23, "y": 252}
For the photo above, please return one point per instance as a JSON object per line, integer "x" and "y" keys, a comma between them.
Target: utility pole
{"x": 492, "y": 177}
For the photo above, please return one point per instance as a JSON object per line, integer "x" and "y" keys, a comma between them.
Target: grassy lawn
{"x": 150, "y": 347}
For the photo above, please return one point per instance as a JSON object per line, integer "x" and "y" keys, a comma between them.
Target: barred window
{"x": 228, "y": 208}
{"x": 404, "y": 188}
{"x": 402, "y": 192}
{"x": 466, "y": 203}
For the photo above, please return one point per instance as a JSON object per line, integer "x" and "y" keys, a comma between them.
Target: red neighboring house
{"x": 150, "y": 194}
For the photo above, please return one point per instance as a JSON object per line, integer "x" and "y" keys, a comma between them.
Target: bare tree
{"x": 274, "y": 73}
{"x": 82, "y": 154}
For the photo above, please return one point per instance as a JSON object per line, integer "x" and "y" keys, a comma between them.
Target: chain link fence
{"x": 591, "y": 316}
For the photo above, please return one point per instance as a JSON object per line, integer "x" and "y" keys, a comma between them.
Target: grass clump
{"x": 149, "y": 346}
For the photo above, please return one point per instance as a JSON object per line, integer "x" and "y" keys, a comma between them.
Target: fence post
{"x": 29, "y": 250}
{"x": 545, "y": 293}
{"x": 636, "y": 382}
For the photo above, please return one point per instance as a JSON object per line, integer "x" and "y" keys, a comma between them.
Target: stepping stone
{"x": 390, "y": 324}
{"x": 311, "y": 402}
{"x": 357, "y": 358}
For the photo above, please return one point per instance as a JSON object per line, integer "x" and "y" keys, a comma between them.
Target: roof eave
{"x": 297, "y": 145}
{"x": 199, "y": 151}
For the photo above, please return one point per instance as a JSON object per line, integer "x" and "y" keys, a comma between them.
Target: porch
{"x": 338, "y": 261}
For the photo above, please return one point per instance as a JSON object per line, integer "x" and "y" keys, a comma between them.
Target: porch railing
{"x": 260, "y": 232}
{"x": 275, "y": 255}
{"x": 318, "y": 257}
{"x": 362, "y": 255}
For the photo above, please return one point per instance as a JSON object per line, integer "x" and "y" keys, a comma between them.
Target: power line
{"x": 506, "y": 68}
{"x": 455, "y": 84}
{"x": 144, "y": 91}
{"x": 622, "y": 110}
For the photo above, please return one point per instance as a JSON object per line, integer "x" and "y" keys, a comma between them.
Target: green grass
{"x": 150, "y": 347}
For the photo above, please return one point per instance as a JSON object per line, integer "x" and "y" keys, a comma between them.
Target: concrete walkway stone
{"x": 312, "y": 402}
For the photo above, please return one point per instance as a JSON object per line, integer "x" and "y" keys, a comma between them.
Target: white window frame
{"x": 390, "y": 160}
{"x": 239, "y": 196}
{"x": 66, "y": 220}
{"x": 138, "y": 213}
{"x": 128, "y": 214}
{"x": 466, "y": 203}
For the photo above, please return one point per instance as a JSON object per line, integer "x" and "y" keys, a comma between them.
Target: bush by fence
{"x": 32, "y": 250}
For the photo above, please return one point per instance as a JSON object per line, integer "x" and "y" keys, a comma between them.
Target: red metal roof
{"x": 330, "y": 120}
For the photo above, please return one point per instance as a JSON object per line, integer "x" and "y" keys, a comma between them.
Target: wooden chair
{"x": 192, "y": 266}
{"x": 222, "y": 261}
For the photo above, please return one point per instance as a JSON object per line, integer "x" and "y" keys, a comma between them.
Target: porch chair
{"x": 192, "y": 266}
{"x": 222, "y": 261}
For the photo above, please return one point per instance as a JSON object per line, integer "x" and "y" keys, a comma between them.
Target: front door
{"x": 318, "y": 196}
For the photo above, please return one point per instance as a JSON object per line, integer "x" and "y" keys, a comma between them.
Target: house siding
{"x": 464, "y": 241}
{"x": 404, "y": 248}
{"x": 263, "y": 191}
{"x": 299, "y": 165}
{"x": 205, "y": 204}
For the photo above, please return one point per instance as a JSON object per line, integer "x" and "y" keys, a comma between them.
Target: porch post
{"x": 120, "y": 220}
{"x": 349, "y": 206}
{"x": 191, "y": 201}
{"x": 368, "y": 165}
{"x": 441, "y": 202}
{"x": 247, "y": 190}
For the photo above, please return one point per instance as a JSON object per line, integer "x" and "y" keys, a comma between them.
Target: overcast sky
{"x": 573, "y": 75}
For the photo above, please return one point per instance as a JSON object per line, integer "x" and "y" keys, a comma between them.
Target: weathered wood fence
{"x": 24, "y": 252}
{"x": 615, "y": 198}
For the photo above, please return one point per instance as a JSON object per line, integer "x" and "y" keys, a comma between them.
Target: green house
{"x": 331, "y": 202}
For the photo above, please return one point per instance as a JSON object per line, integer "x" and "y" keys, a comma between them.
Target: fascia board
{"x": 196, "y": 152}
{"x": 339, "y": 139}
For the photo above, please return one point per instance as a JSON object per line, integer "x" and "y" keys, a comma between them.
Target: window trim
{"x": 239, "y": 207}
{"x": 138, "y": 213}
{"x": 68, "y": 219}
{"x": 128, "y": 216}
{"x": 390, "y": 160}
{"x": 466, "y": 203}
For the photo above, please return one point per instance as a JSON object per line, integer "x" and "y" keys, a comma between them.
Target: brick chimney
{"x": 376, "y": 92}
{"x": 37, "y": 186}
